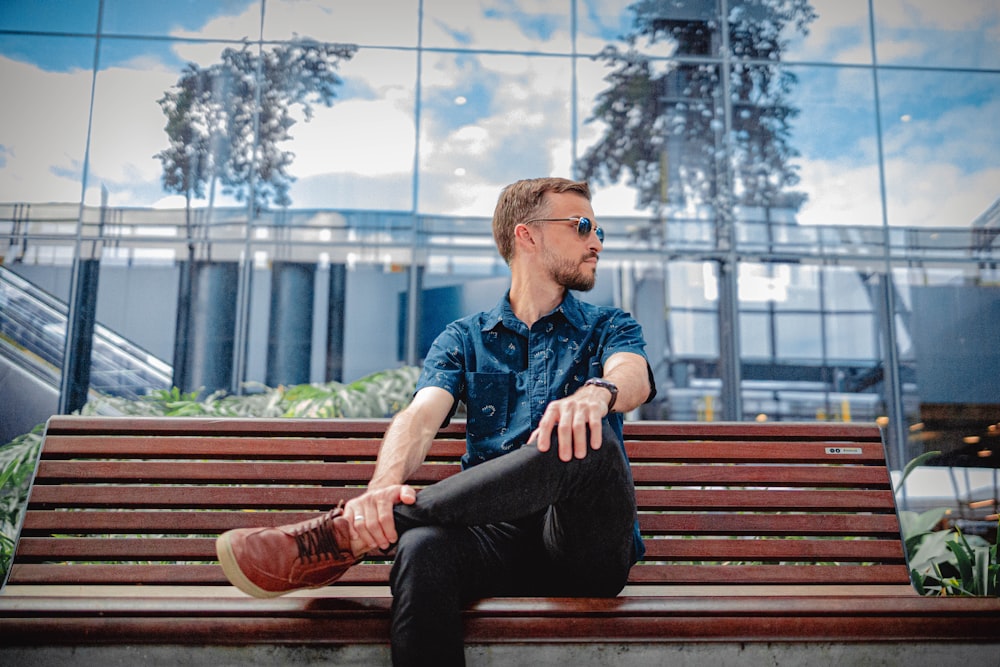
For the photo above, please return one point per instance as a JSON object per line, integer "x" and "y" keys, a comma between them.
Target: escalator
{"x": 32, "y": 338}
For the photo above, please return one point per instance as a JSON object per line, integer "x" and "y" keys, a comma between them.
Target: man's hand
{"x": 371, "y": 518}
{"x": 571, "y": 417}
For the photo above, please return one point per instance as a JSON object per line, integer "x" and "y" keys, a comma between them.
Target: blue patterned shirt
{"x": 507, "y": 373}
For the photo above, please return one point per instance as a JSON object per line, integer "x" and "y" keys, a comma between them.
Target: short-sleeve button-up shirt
{"x": 507, "y": 373}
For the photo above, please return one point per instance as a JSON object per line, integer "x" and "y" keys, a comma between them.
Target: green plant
{"x": 17, "y": 466}
{"x": 949, "y": 563}
{"x": 945, "y": 561}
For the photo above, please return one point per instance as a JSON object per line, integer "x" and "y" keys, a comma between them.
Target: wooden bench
{"x": 766, "y": 542}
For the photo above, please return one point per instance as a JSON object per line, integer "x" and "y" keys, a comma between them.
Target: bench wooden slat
{"x": 707, "y": 549}
{"x": 845, "y": 432}
{"x": 643, "y": 574}
{"x": 229, "y": 447}
{"x": 773, "y": 550}
{"x": 239, "y": 427}
{"x": 868, "y": 477}
{"x": 182, "y": 472}
{"x": 234, "y": 622}
{"x": 861, "y": 525}
{"x": 42, "y": 522}
{"x": 709, "y": 500}
{"x": 321, "y": 498}
{"x": 76, "y": 496}
{"x": 314, "y": 472}
{"x": 755, "y": 452}
{"x": 834, "y": 576}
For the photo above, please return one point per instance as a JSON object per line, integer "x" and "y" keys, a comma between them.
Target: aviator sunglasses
{"x": 583, "y": 225}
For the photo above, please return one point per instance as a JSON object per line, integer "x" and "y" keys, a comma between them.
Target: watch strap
{"x": 610, "y": 386}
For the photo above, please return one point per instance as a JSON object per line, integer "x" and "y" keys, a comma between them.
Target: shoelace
{"x": 319, "y": 538}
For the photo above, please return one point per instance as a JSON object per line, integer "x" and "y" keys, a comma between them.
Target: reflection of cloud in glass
{"x": 839, "y": 34}
{"x": 43, "y": 157}
{"x": 934, "y": 33}
{"x": 520, "y": 25}
{"x": 366, "y": 23}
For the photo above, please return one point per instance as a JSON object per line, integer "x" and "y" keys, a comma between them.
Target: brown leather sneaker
{"x": 268, "y": 562}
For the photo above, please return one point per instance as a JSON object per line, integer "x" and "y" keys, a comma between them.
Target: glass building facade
{"x": 801, "y": 198}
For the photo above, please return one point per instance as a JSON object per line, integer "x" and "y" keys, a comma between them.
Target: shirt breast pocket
{"x": 489, "y": 396}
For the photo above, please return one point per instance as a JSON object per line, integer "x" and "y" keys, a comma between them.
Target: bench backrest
{"x": 140, "y": 500}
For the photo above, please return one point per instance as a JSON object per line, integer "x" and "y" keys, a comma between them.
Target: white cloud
{"x": 372, "y": 22}
{"x": 839, "y": 193}
{"x": 128, "y": 130}
{"x": 43, "y": 128}
{"x": 950, "y": 33}
{"x": 364, "y": 137}
{"x": 937, "y": 194}
{"x": 496, "y": 24}
{"x": 936, "y": 15}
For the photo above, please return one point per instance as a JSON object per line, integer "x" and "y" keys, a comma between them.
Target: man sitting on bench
{"x": 545, "y": 504}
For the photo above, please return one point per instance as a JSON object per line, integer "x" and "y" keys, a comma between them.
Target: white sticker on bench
{"x": 843, "y": 450}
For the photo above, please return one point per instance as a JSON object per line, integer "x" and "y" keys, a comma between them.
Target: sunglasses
{"x": 583, "y": 225}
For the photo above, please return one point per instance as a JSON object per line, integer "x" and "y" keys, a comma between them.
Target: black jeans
{"x": 525, "y": 523}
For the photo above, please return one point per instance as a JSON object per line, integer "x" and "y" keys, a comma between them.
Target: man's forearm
{"x": 404, "y": 448}
{"x": 628, "y": 371}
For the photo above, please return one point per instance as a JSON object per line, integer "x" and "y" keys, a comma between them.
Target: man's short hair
{"x": 525, "y": 200}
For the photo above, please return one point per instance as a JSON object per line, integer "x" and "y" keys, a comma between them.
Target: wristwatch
{"x": 610, "y": 386}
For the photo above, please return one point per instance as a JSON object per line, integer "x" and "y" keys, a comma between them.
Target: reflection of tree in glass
{"x": 212, "y": 119}
{"x": 665, "y": 121}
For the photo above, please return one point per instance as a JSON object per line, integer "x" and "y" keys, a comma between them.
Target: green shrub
{"x": 944, "y": 561}
{"x": 17, "y": 467}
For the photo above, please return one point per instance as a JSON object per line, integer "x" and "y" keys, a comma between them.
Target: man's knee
{"x": 420, "y": 545}
{"x": 426, "y": 559}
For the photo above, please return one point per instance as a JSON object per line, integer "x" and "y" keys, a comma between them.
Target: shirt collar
{"x": 502, "y": 313}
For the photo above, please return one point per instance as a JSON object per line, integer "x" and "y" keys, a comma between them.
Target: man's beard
{"x": 568, "y": 273}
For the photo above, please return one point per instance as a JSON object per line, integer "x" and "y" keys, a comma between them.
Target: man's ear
{"x": 524, "y": 237}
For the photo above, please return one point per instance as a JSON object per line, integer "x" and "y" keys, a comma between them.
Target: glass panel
{"x": 488, "y": 121}
{"x": 369, "y": 23}
{"x": 695, "y": 334}
{"x": 692, "y": 285}
{"x": 931, "y": 33}
{"x": 755, "y": 335}
{"x": 952, "y": 402}
{"x": 358, "y": 153}
{"x": 129, "y": 142}
{"x": 940, "y": 154}
{"x": 612, "y": 198}
{"x": 43, "y": 161}
{"x": 783, "y": 286}
{"x": 54, "y": 15}
{"x": 600, "y": 23}
{"x": 850, "y": 337}
{"x": 675, "y": 29}
{"x": 844, "y": 289}
{"x": 661, "y": 136}
{"x": 798, "y": 336}
{"x": 498, "y": 25}
{"x": 830, "y": 175}
{"x": 188, "y": 19}
{"x": 836, "y": 31}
